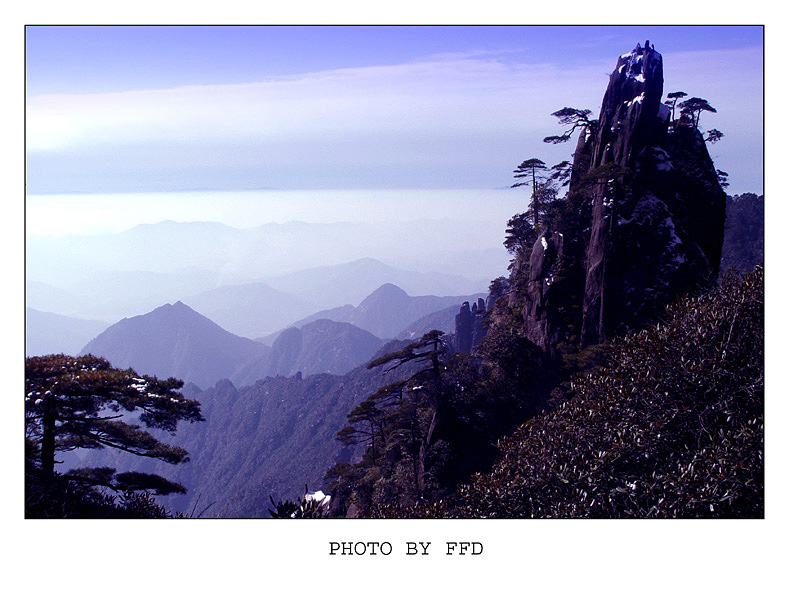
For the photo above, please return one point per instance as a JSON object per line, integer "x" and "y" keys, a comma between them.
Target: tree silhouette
{"x": 693, "y": 108}
{"x": 562, "y": 172}
{"x": 573, "y": 118}
{"x": 672, "y": 101}
{"x": 713, "y": 136}
{"x": 532, "y": 173}
{"x": 84, "y": 403}
{"x": 723, "y": 178}
{"x": 365, "y": 425}
{"x": 520, "y": 234}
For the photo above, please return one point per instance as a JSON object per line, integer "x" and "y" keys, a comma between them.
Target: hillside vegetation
{"x": 671, "y": 425}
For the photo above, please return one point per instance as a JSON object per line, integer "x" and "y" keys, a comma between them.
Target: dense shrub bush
{"x": 671, "y": 426}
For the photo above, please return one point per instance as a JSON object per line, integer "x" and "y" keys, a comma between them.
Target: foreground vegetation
{"x": 672, "y": 425}
{"x": 85, "y": 403}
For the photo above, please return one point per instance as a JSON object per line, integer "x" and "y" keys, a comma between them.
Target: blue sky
{"x": 128, "y": 109}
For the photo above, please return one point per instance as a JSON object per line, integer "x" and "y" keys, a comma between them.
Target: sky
{"x": 162, "y": 109}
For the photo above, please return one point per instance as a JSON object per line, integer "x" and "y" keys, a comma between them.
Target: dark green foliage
{"x": 64, "y": 498}
{"x": 365, "y": 425}
{"x": 85, "y": 403}
{"x": 397, "y": 422}
{"x": 520, "y": 234}
{"x": 671, "y": 426}
{"x": 125, "y": 481}
{"x": 743, "y": 240}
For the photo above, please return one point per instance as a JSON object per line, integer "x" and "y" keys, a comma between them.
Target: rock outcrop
{"x": 469, "y": 326}
{"x": 642, "y": 222}
{"x": 539, "y": 298}
{"x": 657, "y": 208}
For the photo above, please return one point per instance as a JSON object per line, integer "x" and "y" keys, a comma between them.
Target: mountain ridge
{"x": 174, "y": 340}
{"x": 388, "y": 310}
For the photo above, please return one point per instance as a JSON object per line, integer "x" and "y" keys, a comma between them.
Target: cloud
{"x": 429, "y": 95}
{"x": 441, "y": 112}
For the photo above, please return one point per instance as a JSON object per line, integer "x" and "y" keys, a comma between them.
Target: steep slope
{"x": 174, "y": 340}
{"x": 49, "y": 333}
{"x": 743, "y": 240}
{"x": 658, "y": 234}
{"x": 323, "y": 346}
{"x": 443, "y": 320}
{"x": 642, "y": 222}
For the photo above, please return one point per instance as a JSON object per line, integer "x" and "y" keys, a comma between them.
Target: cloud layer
{"x": 452, "y": 121}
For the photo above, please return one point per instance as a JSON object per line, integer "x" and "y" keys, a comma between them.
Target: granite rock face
{"x": 539, "y": 298}
{"x": 642, "y": 222}
{"x": 658, "y": 210}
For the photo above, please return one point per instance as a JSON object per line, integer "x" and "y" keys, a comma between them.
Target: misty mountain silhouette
{"x": 389, "y": 310}
{"x": 174, "y": 340}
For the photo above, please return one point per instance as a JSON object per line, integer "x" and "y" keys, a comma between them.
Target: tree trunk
{"x": 48, "y": 438}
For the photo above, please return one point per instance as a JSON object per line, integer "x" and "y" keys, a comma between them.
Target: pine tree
{"x": 84, "y": 403}
{"x": 532, "y": 173}
{"x": 574, "y": 119}
{"x": 672, "y": 101}
{"x": 693, "y": 108}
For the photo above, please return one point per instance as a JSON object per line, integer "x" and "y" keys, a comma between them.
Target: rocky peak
{"x": 469, "y": 326}
{"x": 657, "y": 208}
{"x": 632, "y": 115}
{"x": 645, "y": 222}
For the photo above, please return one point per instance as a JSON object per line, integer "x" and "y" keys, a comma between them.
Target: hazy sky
{"x": 128, "y": 109}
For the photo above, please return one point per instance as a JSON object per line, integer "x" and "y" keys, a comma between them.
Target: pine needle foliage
{"x": 85, "y": 403}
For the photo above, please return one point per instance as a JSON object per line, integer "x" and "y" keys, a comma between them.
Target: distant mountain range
{"x": 350, "y": 283}
{"x": 48, "y": 333}
{"x": 250, "y": 310}
{"x": 114, "y": 274}
{"x": 258, "y": 309}
{"x": 175, "y": 340}
{"x": 389, "y": 310}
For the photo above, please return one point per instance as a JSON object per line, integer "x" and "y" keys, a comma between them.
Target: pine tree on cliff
{"x": 693, "y": 108}
{"x": 532, "y": 173}
{"x": 642, "y": 221}
{"x": 672, "y": 101}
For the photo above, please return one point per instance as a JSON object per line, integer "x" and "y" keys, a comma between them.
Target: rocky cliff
{"x": 657, "y": 213}
{"x": 642, "y": 222}
{"x": 469, "y": 328}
